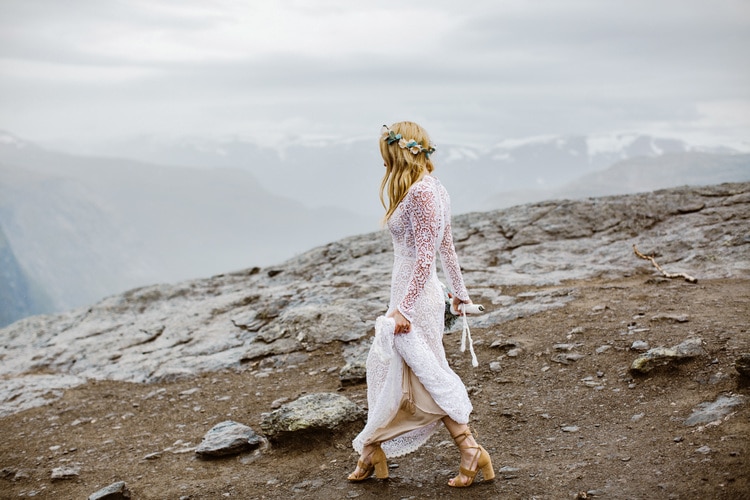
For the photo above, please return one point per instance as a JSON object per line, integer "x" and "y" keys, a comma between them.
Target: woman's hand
{"x": 457, "y": 302}
{"x": 402, "y": 324}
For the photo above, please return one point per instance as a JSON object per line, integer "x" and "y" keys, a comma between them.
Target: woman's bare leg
{"x": 467, "y": 446}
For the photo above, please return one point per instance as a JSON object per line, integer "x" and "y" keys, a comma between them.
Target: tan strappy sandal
{"x": 378, "y": 464}
{"x": 482, "y": 459}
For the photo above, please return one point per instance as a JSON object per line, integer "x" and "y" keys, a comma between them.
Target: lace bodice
{"x": 421, "y": 229}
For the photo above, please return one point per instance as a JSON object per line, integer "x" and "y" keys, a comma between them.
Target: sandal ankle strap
{"x": 462, "y": 436}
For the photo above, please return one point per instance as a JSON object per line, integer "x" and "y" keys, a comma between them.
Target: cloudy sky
{"x": 481, "y": 71}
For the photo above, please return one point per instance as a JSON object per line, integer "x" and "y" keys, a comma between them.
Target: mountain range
{"x": 347, "y": 173}
{"x": 636, "y": 175}
{"x": 81, "y": 227}
{"x": 87, "y": 227}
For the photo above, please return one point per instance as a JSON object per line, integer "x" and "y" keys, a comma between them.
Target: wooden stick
{"x": 686, "y": 277}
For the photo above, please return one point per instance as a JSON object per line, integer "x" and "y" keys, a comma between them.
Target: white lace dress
{"x": 410, "y": 386}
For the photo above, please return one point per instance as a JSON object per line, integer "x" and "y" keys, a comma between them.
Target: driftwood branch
{"x": 686, "y": 277}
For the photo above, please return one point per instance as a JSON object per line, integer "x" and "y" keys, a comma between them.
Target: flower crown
{"x": 390, "y": 137}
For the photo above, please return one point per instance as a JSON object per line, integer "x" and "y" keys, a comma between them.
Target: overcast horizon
{"x": 86, "y": 71}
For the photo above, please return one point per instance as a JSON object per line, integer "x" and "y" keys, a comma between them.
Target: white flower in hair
{"x": 413, "y": 146}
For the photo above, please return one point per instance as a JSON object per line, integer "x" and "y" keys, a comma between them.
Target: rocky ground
{"x": 126, "y": 389}
{"x": 556, "y": 425}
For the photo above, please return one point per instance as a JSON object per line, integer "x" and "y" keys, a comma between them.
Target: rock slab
{"x": 61, "y": 473}
{"x": 115, "y": 491}
{"x": 647, "y": 361}
{"x": 706, "y": 413}
{"x": 314, "y": 412}
{"x": 228, "y": 438}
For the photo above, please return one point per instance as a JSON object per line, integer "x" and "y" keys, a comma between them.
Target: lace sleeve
{"x": 449, "y": 258}
{"x": 422, "y": 208}
{"x": 450, "y": 265}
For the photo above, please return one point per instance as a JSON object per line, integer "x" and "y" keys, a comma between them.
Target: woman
{"x": 411, "y": 388}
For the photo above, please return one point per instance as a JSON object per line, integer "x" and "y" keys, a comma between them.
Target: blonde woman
{"x": 411, "y": 389}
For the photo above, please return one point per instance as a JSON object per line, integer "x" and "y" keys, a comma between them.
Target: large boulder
{"x": 310, "y": 413}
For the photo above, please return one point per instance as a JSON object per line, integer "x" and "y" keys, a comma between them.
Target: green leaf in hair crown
{"x": 390, "y": 137}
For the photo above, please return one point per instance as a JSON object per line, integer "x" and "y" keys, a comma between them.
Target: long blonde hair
{"x": 402, "y": 167}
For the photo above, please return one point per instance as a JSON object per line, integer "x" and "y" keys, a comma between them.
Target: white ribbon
{"x": 466, "y": 334}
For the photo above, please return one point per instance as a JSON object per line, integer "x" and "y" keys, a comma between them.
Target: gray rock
{"x": 742, "y": 365}
{"x": 591, "y": 382}
{"x": 709, "y": 412}
{"x": 68, "y": 472}
{"x": 283, "y": 360}
{"x": 524, "y": 305}
{"x": 565, "y": 347}
{"x": 670, "y": 318}
{"x": 355, "y": 369}
{"x": 505, "y": 344}
{"x": 515, "y": 352}
{"x": 317, "y": 323}
{"x": 646, "y": 362}
{"x": 690, "y": 348}
{"x": 564, "y": 358}
{"x": 353, "y": 373}
{"x": 314, "y": 412}
{"x": 278, "y": 402}
{"x": 228, "y": 438}
{"x": 257, "y": 350}
{"x": 115, "y": 491}
{"x": 12, "y": 474}
{"x": 28, "y": 391}
{"x": 639, "y": 345}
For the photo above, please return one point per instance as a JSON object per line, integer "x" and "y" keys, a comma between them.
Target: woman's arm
{"x": 449, "y": 258}
{"x": 424, "y": 217}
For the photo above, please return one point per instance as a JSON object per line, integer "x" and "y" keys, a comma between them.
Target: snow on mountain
{"x": 325, "y": 171}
